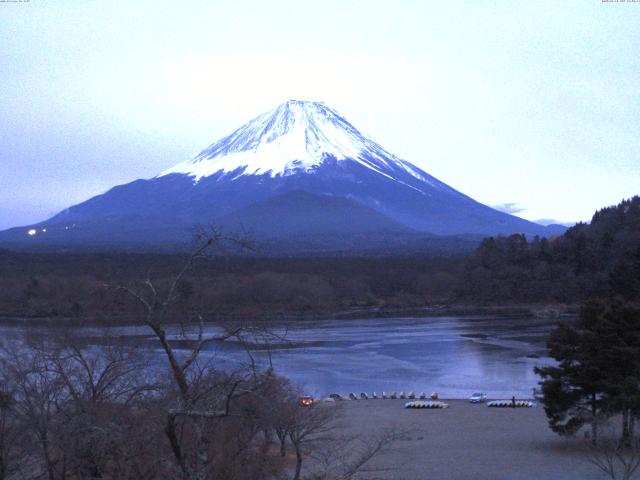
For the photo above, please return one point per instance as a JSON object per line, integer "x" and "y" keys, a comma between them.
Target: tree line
{"x": 71, "y": 412}
{"x": 73, "y": 285}
{"x": 570, "y": 268}
{"x": 596, "y": 379}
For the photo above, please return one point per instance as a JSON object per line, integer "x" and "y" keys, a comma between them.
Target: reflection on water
{"x": 453, "y": 356}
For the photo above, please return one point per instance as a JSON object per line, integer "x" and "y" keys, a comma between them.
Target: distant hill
{"x": 580, "y": 264}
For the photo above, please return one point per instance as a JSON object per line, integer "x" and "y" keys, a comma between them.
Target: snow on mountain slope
{"x": 299, "y": 169}
{"x": 296, "y": 137}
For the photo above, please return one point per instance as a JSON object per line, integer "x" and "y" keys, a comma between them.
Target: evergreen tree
{"x": 619, "y": 331}
{"x": 624, "y": 280}
{"x": 573, "y": 390}
{"x": 570, "y": 268}
{"x": 598, "y": 371}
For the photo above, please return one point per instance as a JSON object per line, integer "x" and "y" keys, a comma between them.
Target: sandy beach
{"x": 468, "y": 441}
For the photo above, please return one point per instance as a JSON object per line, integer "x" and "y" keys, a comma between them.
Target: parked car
{"x": 336, "y": 396}
{"x": 478, "y": 398}
{"x": 305, "y": 401}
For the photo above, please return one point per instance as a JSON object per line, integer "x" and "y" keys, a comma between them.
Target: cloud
{"x": 511, "y": 208}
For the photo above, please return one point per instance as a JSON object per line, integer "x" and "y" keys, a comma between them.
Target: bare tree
{"x": 105, "y": 412}
{"x": 101, "y": 385}
{"x": 40, "y": 395}
{"x": 279, "y": 408}
{"x": 308, "y": 425}
{"x": 616, "y": 460}
{"x": 75, "y": 405}
{"x": 10, "y": 434}
{"x": 313, "y": 435}
{"x": 198, "y": 401}
{"x": 344, "y": 457}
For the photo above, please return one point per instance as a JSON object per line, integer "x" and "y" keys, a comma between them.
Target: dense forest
{"x": 582, "y": 263}
{"x": 78, "y": 285}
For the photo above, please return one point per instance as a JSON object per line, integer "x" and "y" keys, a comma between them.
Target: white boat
{"x": 426, "y": 404}
{"x": 511, "y": 404}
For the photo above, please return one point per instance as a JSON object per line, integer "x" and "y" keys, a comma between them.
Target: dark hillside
{"x": 569, "y": 268}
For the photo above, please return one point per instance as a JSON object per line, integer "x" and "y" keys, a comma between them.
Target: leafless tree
{"x": 313, "y": 434}
{"x": 344, "y": 457}
{"x": 309, "y": 425}
{"x": 74, "y": 405}
{"x": 617, "y": 460}
{"x": 39, "y": 395}
{"x": 83, "y": 411}
{"x": 10, "y": 434}
{"x": 198, "y": 401}
{"x": 101, "y": 384}
{"x": 279, "y": 406}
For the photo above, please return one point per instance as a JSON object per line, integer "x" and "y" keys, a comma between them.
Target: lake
{"x": 454, "y": 356}
{"x": 450, "y": 355}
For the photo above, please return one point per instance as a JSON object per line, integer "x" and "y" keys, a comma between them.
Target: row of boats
{"x": 493, "y": 403}
{"x": 511, "y": 404}
{"x": 384, "y": 395}
{"x": 420, "y": 400}
{"x": 427, "y": 404}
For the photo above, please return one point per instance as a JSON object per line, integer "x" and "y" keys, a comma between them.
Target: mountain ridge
{"x": 298, "y": 146}
{"x": 297, "y": 135}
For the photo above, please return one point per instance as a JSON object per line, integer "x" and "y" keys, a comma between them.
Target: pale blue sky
{"x": 529, "y": 103}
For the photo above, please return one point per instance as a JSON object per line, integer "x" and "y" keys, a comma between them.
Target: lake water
{"x": 454, "y": 356}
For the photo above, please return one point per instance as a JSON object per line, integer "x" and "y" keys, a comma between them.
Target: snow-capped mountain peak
{"x": 296, "y": 136}
{"x": 300, "y": 174}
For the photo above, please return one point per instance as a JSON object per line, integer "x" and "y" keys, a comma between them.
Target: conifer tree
{"x": 598, "y": 370}
{"x": 573, "y": 390}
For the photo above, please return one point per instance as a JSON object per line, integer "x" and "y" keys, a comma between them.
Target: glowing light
{"x": 32, "y": 232}
{"x": 44, "y": 230}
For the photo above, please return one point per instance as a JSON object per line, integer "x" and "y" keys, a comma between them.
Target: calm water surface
{"x": 454, "y": 356}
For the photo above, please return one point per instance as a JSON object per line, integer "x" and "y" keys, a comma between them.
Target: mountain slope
{"x": 251, "y": 177}
{"x": 299, "y": 212}
{"x": 296, "y": 137}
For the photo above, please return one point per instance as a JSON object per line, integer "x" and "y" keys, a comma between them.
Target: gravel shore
{"x": 467, "y": 441}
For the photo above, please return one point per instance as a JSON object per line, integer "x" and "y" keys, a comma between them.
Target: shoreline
{"x": 540, "y": 311}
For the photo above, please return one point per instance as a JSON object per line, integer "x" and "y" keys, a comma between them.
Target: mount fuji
{"x": 298, "y": 175}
